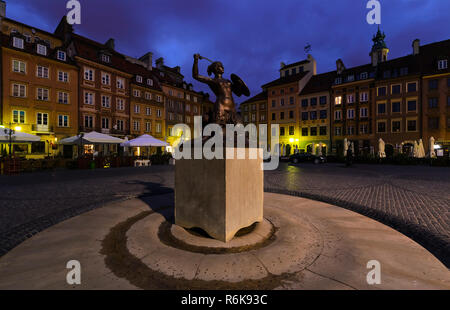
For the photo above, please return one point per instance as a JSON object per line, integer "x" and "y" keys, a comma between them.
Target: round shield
{"x": 239, "y": 87}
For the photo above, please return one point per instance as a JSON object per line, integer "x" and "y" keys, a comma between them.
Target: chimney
{"x": 416, "y": 46}
{"x": 340, "y": 67}
{"x": 178, "y": 69}
{"x": 159, "y": 62}
{"x": 148, "y": 60}
{"x": 313, "y": 63}
{"x": 110, "y": 44}
{"x": 2, "y": 9}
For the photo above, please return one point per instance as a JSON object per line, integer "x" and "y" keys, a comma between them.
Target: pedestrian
{"x": 349, "y": 158}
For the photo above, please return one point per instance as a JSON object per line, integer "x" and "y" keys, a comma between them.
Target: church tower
{"x": 379, "y": 49}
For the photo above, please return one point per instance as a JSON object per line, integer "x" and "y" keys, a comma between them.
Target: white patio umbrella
{"x": 416, "y": 149}
{"x": 381, "y": 148}
{"x": 352, "y": 147}
{"x": 432, "y": 151}
{"x": 17, "y": 136}
{"x": 320, "y": 149}
{"x": 91, "y": 138}
{"x": 421, "y": 150}
{"x": 345, "y": 147}
{"x": 144, "y": 140}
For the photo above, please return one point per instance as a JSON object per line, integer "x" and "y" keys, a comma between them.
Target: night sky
{"x": 250, "y": 37}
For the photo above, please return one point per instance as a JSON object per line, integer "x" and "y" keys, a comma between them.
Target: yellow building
{"x": 40, "y": 89}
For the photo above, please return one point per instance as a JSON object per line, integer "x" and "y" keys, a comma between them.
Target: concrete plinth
{"x": 220, "y": 196}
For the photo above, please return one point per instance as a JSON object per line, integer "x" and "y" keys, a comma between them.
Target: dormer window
{"x": 18, "y": 42}
{"x": 363, "y": 76}
{"x": 351, "y": 78}
{"x": 138, "y": 78}
{"x": 41, "y": 49}
{"x": 338, "y": 80}
{"x": 404, "y": 71}
{"x": 150, "y": 82}
{"x": 61, "y": 55}
{"x": 27, "y": 38}
{"x": 106, "y": 58}
{"x": 442, "y": 64}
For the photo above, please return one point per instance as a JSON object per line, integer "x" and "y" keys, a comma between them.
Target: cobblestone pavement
{"x": 415, "y": 200}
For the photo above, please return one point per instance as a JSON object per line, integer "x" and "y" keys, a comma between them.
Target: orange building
{"x": 40, "y": 88}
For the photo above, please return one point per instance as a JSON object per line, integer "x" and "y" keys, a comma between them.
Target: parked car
{"x": 305, "y": 157}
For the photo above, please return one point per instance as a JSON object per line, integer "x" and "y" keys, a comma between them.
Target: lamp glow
{"x": 291, "y": 140}
{"x": 18, "y": 128}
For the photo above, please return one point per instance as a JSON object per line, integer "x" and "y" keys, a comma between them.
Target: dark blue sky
{"x": 250, "y": 37}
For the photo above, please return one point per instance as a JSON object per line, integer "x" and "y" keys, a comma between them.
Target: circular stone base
{"x": 258, "y": 237}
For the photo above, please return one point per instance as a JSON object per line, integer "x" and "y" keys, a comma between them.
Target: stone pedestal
{"x": 220, "y": 196}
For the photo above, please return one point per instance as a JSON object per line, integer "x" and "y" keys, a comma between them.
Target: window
{"x": 448, "y": 101}
{"x": 195, "y": 109}
{"x": 381, "y": 108}
{"x": 281, "y": 102}
{"x": 433, "y": 123}
{"x": 442, "y": 64}
{"x": 304, "y": 132}
{"x": 337, "y": 131}
{"x": 350, "y": 98}
{"x": 188, "y": 108}
{"x": 412, "y": 105}
{"x": 381, "y": 91}
{"x": 338, "y": 80}
{"x": 291, "y": 100}
{"x": 381, "y": 127}
{"x": 138, "y": 78}
{"x": 351, "y": 113}
{"x": 42, "y": 94}
{"x": 396, "y": 126}
{"x": 27, "y": 37}
{"x": 246, "y": 118}
{"x": 105, "y": 123}
{"x": 350, "y": 78}
{"x": 158, "y": 127}
{"x": 291, "y": 130}
{"x": 120, "y": 125}
{"x": 19, "y": 90}
{"x": 350, "y": 130}
{"x": 291, "y": 114}
{"x": 432, "y": 103}
{"x": 396, "y": 89}
{"x": 338, "y": 100}
{"x": 88, "y": 74}
{"x": 42, "y": 72}
{"x": 148, "y": 96}
{"x": 281, "y": 115}
{"x": 120, "y": 83}
{"x": 313, "y": 115}
{"x": 313, "y": 101}
{"x": 338, "y": 115}
{"x": 158, "y": 98}
{"x": 396, "y": 107}
{"x": 19, "y": 66}
{"x": 323, "y": 130}
{"x": 63, "y": 76}
{"x": 61, "y": 55}
{"x": 304, "y": 103}
{"x": 282, "y": 91}
{"x": 63, "y": 121}
{"x": 136, "y": 93}
{"x": 42, "y": 119}
{"x": 281, "y": 131}
{"x": 273, "y": 103}
{"x": 149, "y": 82}
{"x": 412, "y": 87}
{"x": 148, "y": 126}
{"x": 433, "y": 84}
{"x": 403, "y": 71}
{"x": 18, "y": 42}
{"x": 120, "y": 103}
{"x": 313, "y": 131}
{"x": 88, "y": 98}
{"x": 63, "y": 97}
{"x": 158, "y": 113}
{"x": 323, "y": 100}
{"x": 41, "y": 49}
{"x": 305, "y": 116}
{"x": 137, "y": 109}
{"x": 323, "y": 114}
{"x": 363, "y": 76}
{"x": 363, "y": 112}
{"x": 411, "y": 125}
{"x": 273, "y": 116}
{"x": 106, "y": 78}
{"x": 363, "y": 129}
{"x": 386, "y": 74}
{"x": 18, "y": 117}
{"x": 188, "y": 97}
{"x": 364, "y": 97}
{"x": 195, "y": 99}
{"x": 263, "y": 117}
{"x": 106, "y": 58}
{"x": 106, "y": 101}
{"x": 188, "y": 119}
{"x": 148, "y": 111}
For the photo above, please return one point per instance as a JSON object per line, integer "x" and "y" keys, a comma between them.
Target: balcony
{"x": 42, "y": 128}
